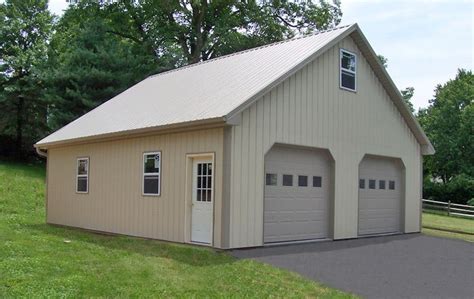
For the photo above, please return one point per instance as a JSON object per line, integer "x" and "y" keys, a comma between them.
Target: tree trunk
{"x": 19, "y": 127}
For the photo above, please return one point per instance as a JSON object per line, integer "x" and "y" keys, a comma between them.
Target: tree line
{"x": 55, "y": 69}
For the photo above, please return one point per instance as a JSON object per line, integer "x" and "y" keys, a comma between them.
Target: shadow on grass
{"x": 30, "y": 170}
{"x": 183, "y": 253}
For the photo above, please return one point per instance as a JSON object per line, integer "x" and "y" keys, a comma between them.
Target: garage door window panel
{"x": 303, "y": 181}
{"x": 287, "y": 180}
{"x": 361, "y": 184}
{"x": 382, "y": 184}
{"x": 371, "y": 184}
{"x": 271, "y": 179}
{"x": 317, "y": 181}
{"x": 391, "y": 185}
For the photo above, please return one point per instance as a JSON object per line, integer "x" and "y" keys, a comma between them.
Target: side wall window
{"x": 348, "y": 70}
{"x": 82, "y": 175}
{"x": 151, "y": 173}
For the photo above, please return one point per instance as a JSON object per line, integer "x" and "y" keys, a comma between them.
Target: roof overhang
{"x": 166, "y": 129}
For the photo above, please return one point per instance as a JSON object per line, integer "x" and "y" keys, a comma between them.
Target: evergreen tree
{"x": 25, "y": 27}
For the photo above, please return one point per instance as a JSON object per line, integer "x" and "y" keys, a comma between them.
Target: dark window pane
{"x": 150, "y": 184}
{"x": 152, "y": 163}
{"x": 82, "y": 184}
{"x": 209, "y": 195}
{"x": 303, "y": 180}
{"x": 209, "y": 182}
{"x": 371, "y": 184}
{"x": 348, "y": 61}
{"x": 348, "y": 80}
{"x": 209, "y": 169}
{"x": 381, "y": 184}
{"x": 271, "y": 179}
{"x": 287, "y": 180}
{"x": 204, "y": 168}
{"x": 82, "y": 167}
{"x": 391, "y": 185}
{"x": 199, "y": 184}
{"x": 361, "y": 184}
{"x": 317, "y": 181}
{"x": 198, "y": 195}
{"x": 199, "y": 168}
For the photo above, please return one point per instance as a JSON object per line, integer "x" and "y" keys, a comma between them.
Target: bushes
{"x": 459, "y": 189}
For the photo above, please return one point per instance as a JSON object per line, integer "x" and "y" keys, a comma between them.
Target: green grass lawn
{"x": 37, "y": 260}
{"x": 464, "y": 226}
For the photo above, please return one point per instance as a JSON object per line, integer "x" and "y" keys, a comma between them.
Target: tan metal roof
{"x": 213, "y": 90}
{"x": 200, "y": 91}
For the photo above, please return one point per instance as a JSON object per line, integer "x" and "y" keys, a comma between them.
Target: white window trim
{"x": 151, "y": 173}
{"x": 82, "y": 175}
{"x": 341, "y": 51}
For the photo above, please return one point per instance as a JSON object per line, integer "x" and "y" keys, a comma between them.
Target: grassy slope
{"x": 449, "y": 223}
{"x": 36, "y": 261}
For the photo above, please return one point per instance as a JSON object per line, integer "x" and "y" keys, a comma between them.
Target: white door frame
{"x": 189, "y": 195}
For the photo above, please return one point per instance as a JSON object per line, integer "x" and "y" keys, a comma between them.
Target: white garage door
{"x": 380, "y": 196}
{"x": 297, "y": 188}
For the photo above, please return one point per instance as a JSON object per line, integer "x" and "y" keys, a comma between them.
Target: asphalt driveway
{"x": 403, "y": 266}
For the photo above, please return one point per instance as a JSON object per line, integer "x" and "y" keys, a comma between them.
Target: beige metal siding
{"x": 310, "y": 109}
{"x": 115, "y": 202}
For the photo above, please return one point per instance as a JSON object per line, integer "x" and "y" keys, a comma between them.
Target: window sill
{"x": 348, "y": 89}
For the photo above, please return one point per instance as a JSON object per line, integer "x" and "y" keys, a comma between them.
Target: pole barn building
{"x": 305, "y": 139}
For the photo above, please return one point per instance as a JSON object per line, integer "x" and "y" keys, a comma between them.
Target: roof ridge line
{"x": 248, "y": 50}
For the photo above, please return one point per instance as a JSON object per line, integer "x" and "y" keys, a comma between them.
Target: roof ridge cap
{"x": 249, "y": 50}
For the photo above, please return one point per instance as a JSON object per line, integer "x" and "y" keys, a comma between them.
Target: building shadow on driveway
{"x": 317, "y": 246}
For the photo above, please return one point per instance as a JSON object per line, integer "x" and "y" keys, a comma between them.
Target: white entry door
{"x": 202, "y": 200}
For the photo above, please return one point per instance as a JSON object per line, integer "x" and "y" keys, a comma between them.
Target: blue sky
{"x": 425, "y": 41}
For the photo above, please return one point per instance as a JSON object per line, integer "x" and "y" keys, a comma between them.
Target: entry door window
{"x": 204, "y": 182}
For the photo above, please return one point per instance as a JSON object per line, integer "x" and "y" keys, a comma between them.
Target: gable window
{"x": 82, "y": 175}
{"x": 151, "y": 173}
{"x": 348, "y": 64}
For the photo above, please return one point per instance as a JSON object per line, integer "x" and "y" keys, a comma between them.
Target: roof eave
{"x": 171, "y": 128}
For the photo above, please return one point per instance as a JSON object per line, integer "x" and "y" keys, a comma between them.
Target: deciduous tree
{"x": 25, "y": 27}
